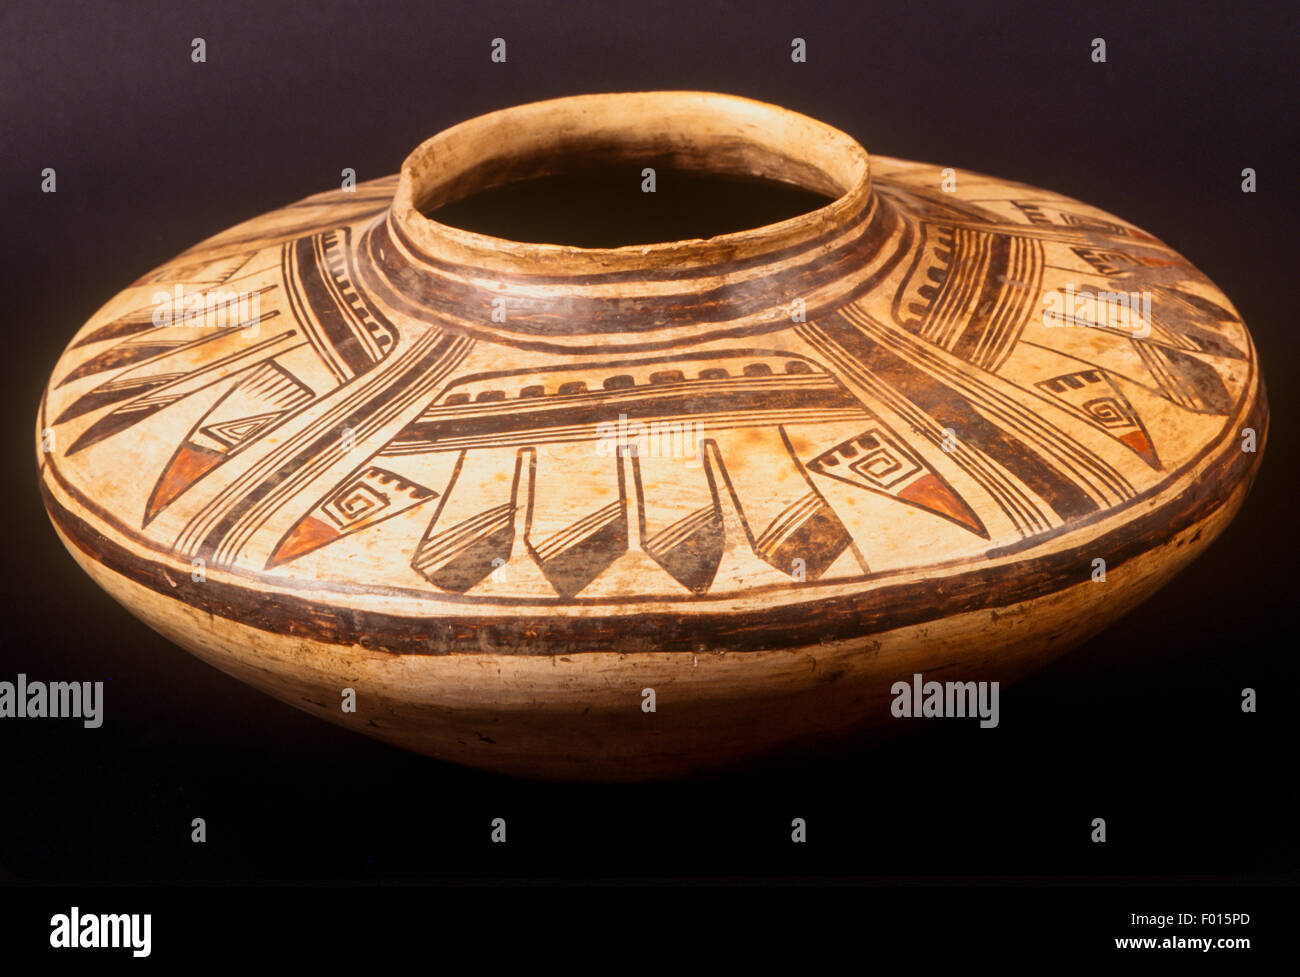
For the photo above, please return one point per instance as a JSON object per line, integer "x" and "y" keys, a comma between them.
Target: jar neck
{"x": 558, "y": 293}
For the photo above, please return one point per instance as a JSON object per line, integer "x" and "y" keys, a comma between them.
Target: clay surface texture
{"x": 502, "y": 489}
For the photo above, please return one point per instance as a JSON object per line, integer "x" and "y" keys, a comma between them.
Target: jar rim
{"x": 716, "y": 133}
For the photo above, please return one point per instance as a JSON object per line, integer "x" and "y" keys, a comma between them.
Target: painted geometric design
{"x": 347, "y": 331}
{"x": 1184, "y": 378}
{"x": 972, "y": 292}
{"x": 805, "y": 539}
{"x": 690, "y": 549}
{"x": 457, "y": 558}
{"x": 145, "y": 389}
{"x": 263, "y": 396}
{"x": 458, "y": 553}
{"x": 1093, "y": 395}
{"x": 680, "y": 440}
{"x": 575, "y": 556}
{"x": 369, "y": 497}
{"x": 878, "y": 461}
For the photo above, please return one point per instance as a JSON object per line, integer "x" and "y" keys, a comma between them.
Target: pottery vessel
{"x": 649, "y": 511}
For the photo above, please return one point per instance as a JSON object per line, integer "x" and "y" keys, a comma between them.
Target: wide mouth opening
{"x": 593, "y": 202}
{"x": 649, "y": 172}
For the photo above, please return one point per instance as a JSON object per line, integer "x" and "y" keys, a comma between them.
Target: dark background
{"x": 1141, "y": 726}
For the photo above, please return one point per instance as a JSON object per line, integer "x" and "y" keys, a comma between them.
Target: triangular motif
{"x": 879, "y": 461}
{"x": 1093, "y": 396}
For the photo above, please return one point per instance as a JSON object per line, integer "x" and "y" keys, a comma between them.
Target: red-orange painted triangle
{"x": 932, "y": 493}
{"x": 308, "y": 535}
{"x": 190, "y": 463}
{"x": 1139, "y": 442}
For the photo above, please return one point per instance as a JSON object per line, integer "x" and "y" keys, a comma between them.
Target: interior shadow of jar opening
{"x": 607, "y": 205}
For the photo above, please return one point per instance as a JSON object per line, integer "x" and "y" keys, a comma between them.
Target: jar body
{"x": 629, "y": 516}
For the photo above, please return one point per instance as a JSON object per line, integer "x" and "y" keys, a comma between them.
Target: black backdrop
{"x": 1141, "y": 726}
